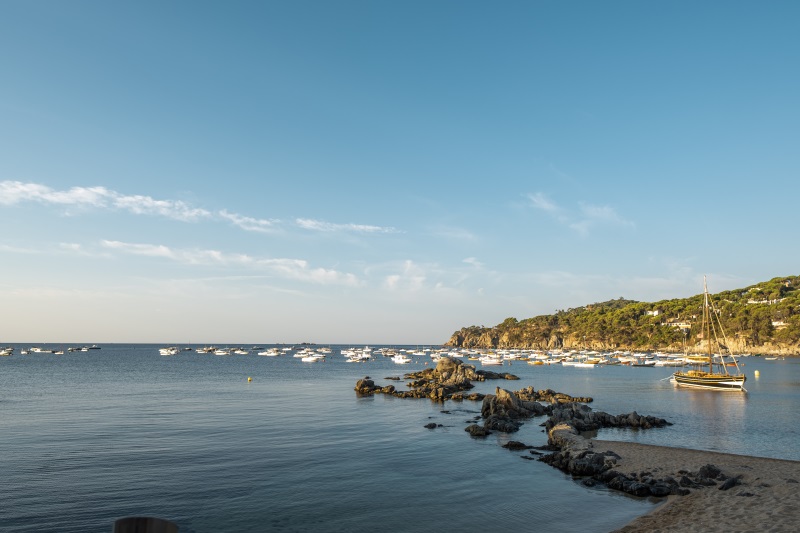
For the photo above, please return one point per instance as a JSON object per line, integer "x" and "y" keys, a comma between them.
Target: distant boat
{"x": 36, "y": 349}
{"x": 401, "y": 359}
{"x": 171, "y": 350}
{"x": 710, "y": 371}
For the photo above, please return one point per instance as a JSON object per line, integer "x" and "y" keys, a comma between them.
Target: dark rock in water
{"x": 504, "y": 424}
{"x": 366, "y": 386}
{"x": 393, "y": 378}
{"x": 516, "y": 445}
{"x": 477, "y": 431}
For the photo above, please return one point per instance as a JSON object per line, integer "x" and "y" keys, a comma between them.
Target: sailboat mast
{"x": 707, "y": 320}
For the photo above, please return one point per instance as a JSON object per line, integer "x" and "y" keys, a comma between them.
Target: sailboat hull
{"x": 705, "y": 380}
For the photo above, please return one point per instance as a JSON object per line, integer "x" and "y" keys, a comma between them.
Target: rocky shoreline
{"x": 570, "y": 448}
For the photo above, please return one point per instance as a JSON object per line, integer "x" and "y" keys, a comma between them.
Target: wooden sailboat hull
{"x": 705, "y": 380}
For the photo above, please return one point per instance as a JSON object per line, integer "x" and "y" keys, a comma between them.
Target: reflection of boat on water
{"x": 710, "y": 371}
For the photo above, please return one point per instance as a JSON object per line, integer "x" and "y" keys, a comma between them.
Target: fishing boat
{"x": 710, "y": 371}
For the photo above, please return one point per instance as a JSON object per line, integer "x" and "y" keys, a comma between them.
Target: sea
{"x": 255, "y": 443}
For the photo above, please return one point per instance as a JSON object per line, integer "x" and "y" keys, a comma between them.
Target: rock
{"x": 729, "y": 483}
{"x": 660, "y": 490}
{"x": 430, "y": 426}
{"x": 709, "y": 471}
{"x": 516, "y": 445}
{"x": 366, "y": 386}
{"x": 477, "y": 431}
{"x": 636, "y": 488}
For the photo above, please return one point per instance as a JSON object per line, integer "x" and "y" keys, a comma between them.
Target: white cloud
{"x": 454, "y": 233}
{"x": 145, "y": 205}
{"x": 474, "y": 262}
{"x": 320, "y": 225}
{"x": 15, "y": 192}
{"x": 540, "y": 201}
{"x": 17, "y": 250}
{"x": 411, "y": 278}
{"x": 295, "y": 269}
{"x": 584, "y": 219}
{"x": 150, "y": 250}
{"x": 603, "y": 213}
{"x": 250, "y": 224}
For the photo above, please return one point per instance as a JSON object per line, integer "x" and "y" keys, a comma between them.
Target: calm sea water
{"x": 89, "y": 437}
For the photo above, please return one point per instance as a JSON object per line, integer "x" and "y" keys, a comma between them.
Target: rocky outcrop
{"x": 447, "y": 381}
{"x": 583, "y": 418}
{"x": 576, "y": 455}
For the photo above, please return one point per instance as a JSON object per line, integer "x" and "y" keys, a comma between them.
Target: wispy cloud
{"x": 17, "y": 250}
{"x": 540, "y": 201}
{"x": 474, "y": 262}
{"x": 582, "y": 219}
{"x": 250, "y": 224}
{"x": 411, "y": 278}
{"x": 295, "y": 269}
{"x": 455, "y": 233}
{"x": 15, "y": 192}
{"x": 320, "y": 225}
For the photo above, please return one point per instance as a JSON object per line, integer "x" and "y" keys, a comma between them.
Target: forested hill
{"x": 762, "y": 318}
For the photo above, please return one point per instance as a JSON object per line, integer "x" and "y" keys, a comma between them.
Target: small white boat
{"x": 491, "y": 360}
{"x": 401, "y": 359}
{"x": 171, "y": 350}
{"x": 36, "y": 349}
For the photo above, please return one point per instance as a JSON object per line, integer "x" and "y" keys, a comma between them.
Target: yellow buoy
{"x": 249, "y": 378}
{"x": 757, "y": 373}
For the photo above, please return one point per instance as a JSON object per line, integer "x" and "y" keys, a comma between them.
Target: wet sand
{"x": 766, "y": 500}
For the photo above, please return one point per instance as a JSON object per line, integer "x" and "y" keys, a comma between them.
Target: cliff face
{"x": 492, "y": 338}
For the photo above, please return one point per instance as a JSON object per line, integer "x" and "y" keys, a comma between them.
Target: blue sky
{"x": 384, "y": 172}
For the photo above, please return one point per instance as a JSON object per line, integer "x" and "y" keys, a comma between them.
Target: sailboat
{"x": 710, "y": 371}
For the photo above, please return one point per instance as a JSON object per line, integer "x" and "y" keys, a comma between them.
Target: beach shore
{"x": 765, "y": 500}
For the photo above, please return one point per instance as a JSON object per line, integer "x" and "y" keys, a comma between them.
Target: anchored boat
{"x": 710, "y": 371}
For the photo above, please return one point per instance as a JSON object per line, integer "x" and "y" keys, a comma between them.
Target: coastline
{"x": 764, "y": 500}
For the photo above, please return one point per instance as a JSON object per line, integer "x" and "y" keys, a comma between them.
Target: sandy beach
{"x": 765, "y": 500}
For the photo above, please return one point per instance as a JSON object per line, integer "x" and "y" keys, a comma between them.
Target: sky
{"x": 349, "y": 172}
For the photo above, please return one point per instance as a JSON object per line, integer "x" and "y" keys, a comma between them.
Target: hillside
{"x": 761, "y": 318}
